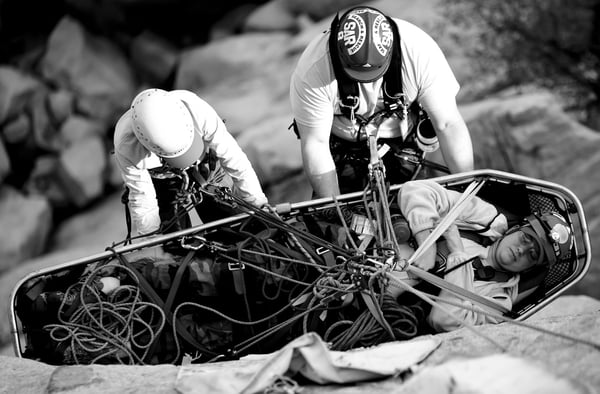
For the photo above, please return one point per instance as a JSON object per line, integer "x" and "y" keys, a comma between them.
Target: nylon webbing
{"x": 154, "y": 297}
{"x": 444, "y": 284}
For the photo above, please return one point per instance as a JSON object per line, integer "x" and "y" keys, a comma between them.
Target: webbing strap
{"x": 172, "y": 292}
{"x": 177, "y": 279}
{"x": 148, "y": 290}
{"x": 348, "y": 89}
{"x": 377, "y": 313}
{"x": 466, "y": 294}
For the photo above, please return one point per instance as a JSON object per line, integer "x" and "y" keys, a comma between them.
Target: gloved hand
{"x": 331, "y": 214}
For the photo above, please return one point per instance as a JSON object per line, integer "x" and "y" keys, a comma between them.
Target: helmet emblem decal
{"x": 354, "y": 33}
{"x": 382, "y": 35}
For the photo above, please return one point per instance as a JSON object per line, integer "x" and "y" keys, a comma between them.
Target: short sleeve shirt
{"x": 314, "y": 91}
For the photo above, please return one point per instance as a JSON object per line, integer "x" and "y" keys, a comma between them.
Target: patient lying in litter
{"x": 255, "y": 283}
{"x": 486, "y": 260}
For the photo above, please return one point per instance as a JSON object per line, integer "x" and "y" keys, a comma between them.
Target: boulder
{"x": 17, "y": 129}
{"x": 77, "y": 127}
{"x": 44, "y": 131}
{"x": 4, "y": 162}
{"x": 207, "y": 66}
{"x": 279, "y": 158}
{"x": 26, "y": 221}
{"x": 60, "y": 105}
{"x": 16, "y": 89}
{"x": 81, "y": 170}
{"x": 93, "y": 67}
{"x": 153, "y": 57}
{"x": 273, "y": 15}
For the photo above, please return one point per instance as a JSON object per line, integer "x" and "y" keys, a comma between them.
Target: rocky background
{"x": 69, "y": 68}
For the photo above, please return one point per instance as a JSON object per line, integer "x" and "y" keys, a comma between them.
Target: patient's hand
{"x": 455, "y": 258}
{"x": 393, "y": 288}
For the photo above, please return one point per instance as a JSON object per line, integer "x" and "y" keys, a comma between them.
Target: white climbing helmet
{"x": 164, "y": 125}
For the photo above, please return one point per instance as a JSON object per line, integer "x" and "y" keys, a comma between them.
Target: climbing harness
{"x": 407, "y": 153}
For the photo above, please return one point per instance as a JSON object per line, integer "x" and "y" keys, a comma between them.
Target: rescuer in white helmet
{"x": 176, "y": 130}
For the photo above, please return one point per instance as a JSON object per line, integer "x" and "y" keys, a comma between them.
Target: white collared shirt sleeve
{"x": 425, "y": 202}
{"x": 133, "y": 161}
{"x": 233, "y": 160}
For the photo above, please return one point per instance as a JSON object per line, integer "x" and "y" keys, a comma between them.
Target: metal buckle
{"x": 352, "y": 107}
{"x": 355, "y": 101}
{"x": 321, "y": 250}
{"x": 199, "y": 242}
{"x": 236, "y": 266}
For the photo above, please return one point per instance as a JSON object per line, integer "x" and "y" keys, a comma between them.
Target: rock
{"x": 153, "y": 58}
{"x": 246, "y": 102}
{"x": 560, "y": 356}
{"x": 23, "y": 375}
{"x": 16, "y": 89}
{"x": 497, "y": 373}
{"x": 76, "y": 128}
{"x": 319, "y": 9}
{"x": 17, "y": 130}
{"x": 45, "y": 134}
{"x": 205, "y": 66}
{"x": 60, "y": 105}
{"x": 463, "y": 363}
{"x": 81, "y": 170}
{"x": 44, "y": 180}
{"x": 26, "y": 221}
{"x": 571, "y": 305}
{"x": 231, "y": 23}
{"x": 111, "y": 379}
{"x": 93, "y": 230}
{"x": 294, "y": 188}
{"x": 277, "y": 159}
{"x": 92, "y": 66}
{"x": 4, "y": 162}
{"x": 273, "y": 15}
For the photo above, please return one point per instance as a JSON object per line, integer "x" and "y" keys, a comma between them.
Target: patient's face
{"x": 517, "y": 252}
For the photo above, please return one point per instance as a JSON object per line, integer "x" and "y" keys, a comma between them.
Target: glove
{"x": 332, "y": 215}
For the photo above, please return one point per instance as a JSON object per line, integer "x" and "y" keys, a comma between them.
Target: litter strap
{"x": 444, "y": 284}
{"x": 154, "y": 297}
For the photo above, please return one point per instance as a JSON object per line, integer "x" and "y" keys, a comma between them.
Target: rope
{"x": 123, "y": 326}
{"x": 366, "y": 331}
{"x": 111, "y": 328}
{"x": 509, "y": 320}
{"x": 427, "y": 298}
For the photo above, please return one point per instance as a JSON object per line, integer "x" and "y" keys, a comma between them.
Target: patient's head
{"x": 543, "y": 238}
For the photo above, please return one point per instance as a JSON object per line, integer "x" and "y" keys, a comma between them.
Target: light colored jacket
{"x": 424, "y": 203}
{"x": 134, "y": 161}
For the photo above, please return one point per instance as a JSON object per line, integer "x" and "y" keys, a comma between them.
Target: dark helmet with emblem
{"x": 365, "y": 43}
{"x": 553, "y": 234}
